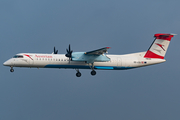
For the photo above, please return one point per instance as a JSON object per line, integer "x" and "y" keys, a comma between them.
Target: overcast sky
{"x": 127, "y": 26}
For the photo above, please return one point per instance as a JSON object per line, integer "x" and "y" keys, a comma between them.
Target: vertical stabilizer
{"x": 159, "y": 46}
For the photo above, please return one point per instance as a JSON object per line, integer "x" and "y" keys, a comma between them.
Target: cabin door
{"x": 119, "y": 62}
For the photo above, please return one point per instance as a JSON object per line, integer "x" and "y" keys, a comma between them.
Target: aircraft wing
{"x": 98, "y": 51}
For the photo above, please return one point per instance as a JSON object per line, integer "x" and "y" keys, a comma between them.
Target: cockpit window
{"x": 18, "y": 56}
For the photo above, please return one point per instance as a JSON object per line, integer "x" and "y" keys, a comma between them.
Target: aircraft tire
{"x": 93, "y": 72}
{"x": 78, "y": 74}
{"x": 11, "y": 70}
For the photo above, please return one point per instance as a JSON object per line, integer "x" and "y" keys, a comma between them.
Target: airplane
{"x": 94, "y": 60}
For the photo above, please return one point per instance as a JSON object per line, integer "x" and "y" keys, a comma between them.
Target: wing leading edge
{"x": 98, "y": 51}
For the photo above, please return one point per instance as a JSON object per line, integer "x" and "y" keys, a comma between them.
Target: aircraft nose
{"x": 7, "y": 63}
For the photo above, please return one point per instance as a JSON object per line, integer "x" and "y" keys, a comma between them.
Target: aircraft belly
{"x": 97, "y": 65}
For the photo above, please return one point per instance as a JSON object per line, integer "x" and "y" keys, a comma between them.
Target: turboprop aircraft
{"x": 94, "y": 60}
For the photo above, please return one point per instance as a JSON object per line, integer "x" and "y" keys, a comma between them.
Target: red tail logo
{"x": 160, "y": 46}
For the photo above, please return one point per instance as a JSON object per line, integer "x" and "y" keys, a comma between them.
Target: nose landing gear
{"x": 11, "y": 70}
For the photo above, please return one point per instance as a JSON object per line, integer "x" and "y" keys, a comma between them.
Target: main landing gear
{"x": 93, "y": 72}
{"x": 78, "y": 74}
{"x": 11, "y": 70}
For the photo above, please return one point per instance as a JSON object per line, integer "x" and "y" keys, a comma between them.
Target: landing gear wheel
{"x": 11, "y": 70}
{"x": 93, "y": 72}
{"x": 78, "y": 74}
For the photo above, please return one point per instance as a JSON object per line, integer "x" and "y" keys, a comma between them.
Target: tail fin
{"x": 159, "y": 46}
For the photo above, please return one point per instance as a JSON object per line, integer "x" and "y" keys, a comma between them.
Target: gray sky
{"x": 127, "y": 26}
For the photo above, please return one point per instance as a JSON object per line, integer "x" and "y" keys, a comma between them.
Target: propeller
{"x": 55, "y": 51}
{"x": 69, "y": 53}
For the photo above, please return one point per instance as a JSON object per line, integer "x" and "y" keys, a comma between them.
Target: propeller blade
{"x": 69, "y": 48}
{"x": 55, "y": 51}
{"x": 69, "y": 52}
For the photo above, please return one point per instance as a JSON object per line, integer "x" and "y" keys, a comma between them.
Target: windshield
{"x": 18, "y": 56}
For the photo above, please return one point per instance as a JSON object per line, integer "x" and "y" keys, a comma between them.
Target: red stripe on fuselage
{"x": 28, "y": 56}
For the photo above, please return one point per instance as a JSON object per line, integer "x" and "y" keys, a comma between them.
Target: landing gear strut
{"x": 78, "y": 74}
{"x": 11, "y": 70}
{"x": 93, "y": 72}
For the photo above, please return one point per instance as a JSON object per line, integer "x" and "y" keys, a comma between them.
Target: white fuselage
{"x": 96, "y": 59}
{"x": 117, "y": 62}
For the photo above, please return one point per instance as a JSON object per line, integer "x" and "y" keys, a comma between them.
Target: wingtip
{"x": 172, "y": 34}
